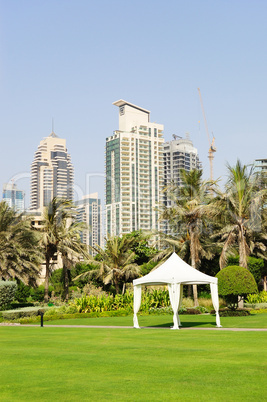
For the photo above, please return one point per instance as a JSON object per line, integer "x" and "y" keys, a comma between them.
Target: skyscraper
{"x": 14, "y": 197}
{"x": 134, "y": 171}
{"x": 90, "y": 212}
{"x": 52, "y": 173}
{"x": 178, "y": 154}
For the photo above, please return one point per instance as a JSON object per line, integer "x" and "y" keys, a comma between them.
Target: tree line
{"x": 206, "y": 226}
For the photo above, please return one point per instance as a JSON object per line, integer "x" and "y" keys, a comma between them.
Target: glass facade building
{"x": 13, "y": 197}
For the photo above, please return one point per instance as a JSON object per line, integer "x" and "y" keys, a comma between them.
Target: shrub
{"x": 22, "y": 292}
{"x": 255, "y": 266}
{"x": 7, "y": 293}
{"x": 37, "y": 294}
{"x": 257, "y": 298}
{"x": 233, "y": 313}
{"x": 20, "y": 305}
{"x": 234, "y": 283}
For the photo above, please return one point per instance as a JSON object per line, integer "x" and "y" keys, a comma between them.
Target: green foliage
{"x": 37, "y": 294}
{"x": 22, "y": 293}
{"x": 234, "y": 281}
{"x": 233, "y": 313}
{"x": 56, "y": 276}
{"x": 143, "y": 252}
{"x": 16, "y": 305}
{"x": 259, "y": 311}
{"x": 20, "y": 254}
{"x": 257, "y": 298}
{"x": 81, "y": 268}
{"x": 153, "y": 299}
{"x": 255, "y": 265}
{"x": 7, "y": 293}
{"x": 147, "y": 267}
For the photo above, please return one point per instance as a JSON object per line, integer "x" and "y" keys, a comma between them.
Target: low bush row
{"x": 23, "y": 312}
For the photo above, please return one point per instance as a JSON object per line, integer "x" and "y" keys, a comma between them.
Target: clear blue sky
{"x": 70, "y": 59}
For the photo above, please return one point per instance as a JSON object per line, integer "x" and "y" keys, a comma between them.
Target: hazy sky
{"x": 71, "y": 59}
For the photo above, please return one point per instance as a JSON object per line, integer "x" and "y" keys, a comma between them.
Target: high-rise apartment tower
{"x": 52, "y": 173}
{"x": 178, "y": 154}
{"x": 134, "y": 171}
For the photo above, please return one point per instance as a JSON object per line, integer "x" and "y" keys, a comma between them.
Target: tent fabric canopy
{"x": 175, "y": 273}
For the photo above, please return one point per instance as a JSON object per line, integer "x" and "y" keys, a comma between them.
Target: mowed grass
{"x": 208, "y": 321}
{"x": 102, "y": 364}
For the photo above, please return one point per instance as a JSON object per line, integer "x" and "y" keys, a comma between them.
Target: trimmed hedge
{"x": 7, "y": 293}
{"x": 21, "y": 313}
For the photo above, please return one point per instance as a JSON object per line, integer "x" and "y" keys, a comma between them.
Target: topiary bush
{"x": 234, "y": 283}
{"x": 255, "y": 266}
{"x": 7, "y": 293}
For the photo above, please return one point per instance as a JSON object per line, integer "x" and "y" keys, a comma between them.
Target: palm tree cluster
{"x": 205, "y": 220}
{"x": 116, "y": 262}
{"x": 23, "y": 249}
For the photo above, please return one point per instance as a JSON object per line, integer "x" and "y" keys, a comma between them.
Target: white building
{"x": 178, "y": 154}
{"x": 90, "y": 212}
{"x": 260, "y": 165}
{"x": 134, "y": 171}
{"x": 13, "y": 197}
{"x": 52, "y": 173}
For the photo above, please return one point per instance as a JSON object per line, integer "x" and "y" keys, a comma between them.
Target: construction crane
{"x": 212, "y": 147}
{"x": 176, "y": 137}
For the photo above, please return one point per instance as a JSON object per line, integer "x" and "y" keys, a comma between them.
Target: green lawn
{"x": 99, "y": 364}
{"x": 253, "y": 321}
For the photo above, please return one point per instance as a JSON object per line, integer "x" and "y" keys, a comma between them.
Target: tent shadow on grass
{"x": 184, "y": 324}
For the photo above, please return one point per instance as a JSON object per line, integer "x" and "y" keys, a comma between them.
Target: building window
{"x": 155, "y": 132}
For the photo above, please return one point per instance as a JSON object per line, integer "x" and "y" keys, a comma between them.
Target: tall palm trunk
{"x": 242, "y": 247}
{"x": 66, "y": 283}
{"x": 47, "y": 274}
{"x": 65, "y": 277}
{"x": 193, "y": 252}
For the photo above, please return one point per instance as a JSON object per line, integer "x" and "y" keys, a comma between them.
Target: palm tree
{"x": 242, "y": 208}
{"x": 71, "y": 249}
{"x": 20, "y": 254}
{"x": 116, "y": 262}
{"x": 190, "y": 216}
{"x": 61, "y": 234}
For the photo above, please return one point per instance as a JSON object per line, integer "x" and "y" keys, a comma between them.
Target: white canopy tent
{"x": 175, "y": 273}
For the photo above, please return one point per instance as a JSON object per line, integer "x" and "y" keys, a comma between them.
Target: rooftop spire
{"x": 53, "y": 135}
